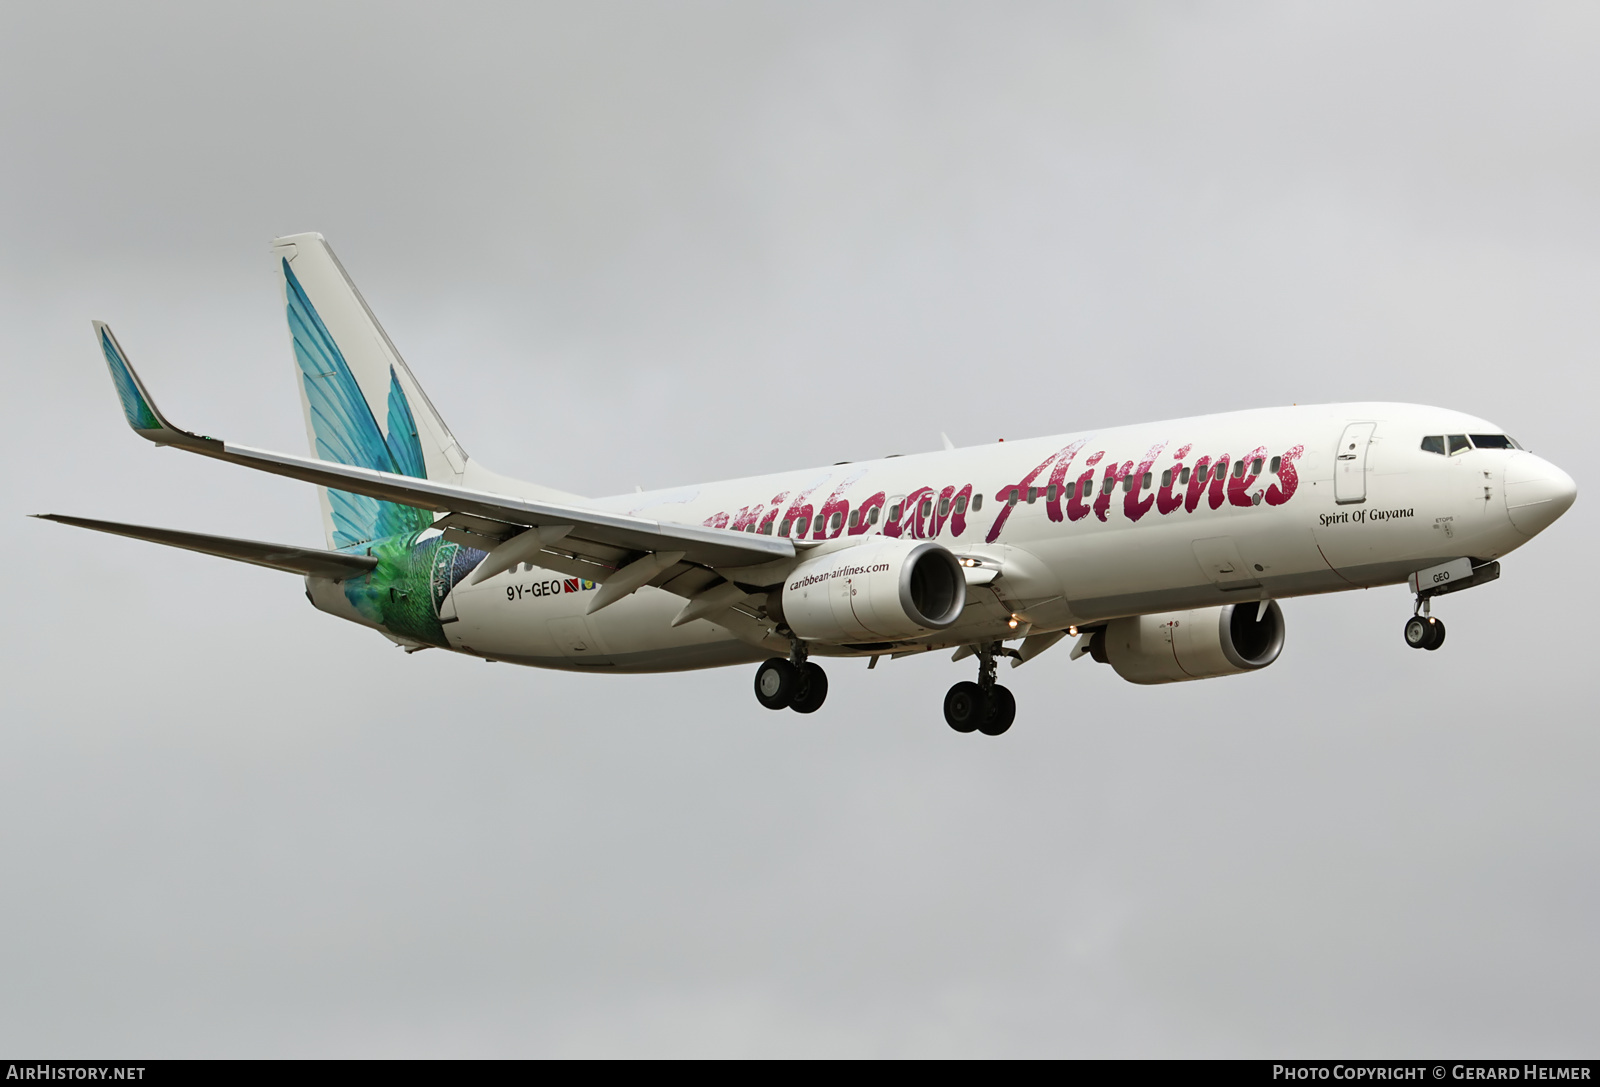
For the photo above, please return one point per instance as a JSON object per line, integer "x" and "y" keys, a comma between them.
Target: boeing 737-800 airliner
{"x": 1163, "y": 549}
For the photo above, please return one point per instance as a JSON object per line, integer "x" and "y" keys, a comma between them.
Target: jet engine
{"x": 880, "y": 590}
{"x": 1198, "y": 644}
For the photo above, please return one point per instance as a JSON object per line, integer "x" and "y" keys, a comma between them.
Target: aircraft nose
{"x": 1537, "y": 492}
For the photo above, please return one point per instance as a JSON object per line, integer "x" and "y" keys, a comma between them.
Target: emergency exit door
{"x": 1350, "y": 463}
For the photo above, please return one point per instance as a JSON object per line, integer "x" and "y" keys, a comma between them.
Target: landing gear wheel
{"x": 964, "y": 706}
{"x": 1002, "y": 711}
{"x": 776, "y": 683}
{"x": 1419, "y": 632}
{"x": 1438, "y": 634}
{"x": 813, "y": 689}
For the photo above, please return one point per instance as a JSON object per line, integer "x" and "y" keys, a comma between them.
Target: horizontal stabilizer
{"x": 295, "y": 560}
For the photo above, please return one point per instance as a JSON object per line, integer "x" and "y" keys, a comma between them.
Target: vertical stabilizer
{"x": 363, "y": 406}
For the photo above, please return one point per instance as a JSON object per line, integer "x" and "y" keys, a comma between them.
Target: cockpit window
{"x": 1434, "y": 443}
{"x": 1459, "y": 444}
{"x": 1493, "y": 441}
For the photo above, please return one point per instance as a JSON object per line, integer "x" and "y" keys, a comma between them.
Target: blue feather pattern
{"x": 403, "y": 444}
{"x": 346, "y": 431}
{"x": 134, "y": 406}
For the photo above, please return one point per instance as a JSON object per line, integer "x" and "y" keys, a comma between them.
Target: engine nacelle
{"x": 881, "y": 590}
{"x": 1198, "y": 644}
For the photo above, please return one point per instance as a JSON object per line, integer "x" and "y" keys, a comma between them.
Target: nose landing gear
{"x": 1424, "y": 632}
{"x": 984, "y": 706}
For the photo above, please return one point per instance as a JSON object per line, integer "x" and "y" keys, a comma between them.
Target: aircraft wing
{"x": 603, "y": 543}
{"x": 295, "y": 560}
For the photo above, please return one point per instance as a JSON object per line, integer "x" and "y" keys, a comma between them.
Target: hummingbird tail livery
{"x": 363, "y": 407}
{"x": 1163, "y": 548}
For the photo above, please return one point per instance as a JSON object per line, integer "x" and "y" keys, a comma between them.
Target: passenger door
{"x": 1350, "y": 463}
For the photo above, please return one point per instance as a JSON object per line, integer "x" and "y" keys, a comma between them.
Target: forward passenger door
{"x": 1350, "y": 463}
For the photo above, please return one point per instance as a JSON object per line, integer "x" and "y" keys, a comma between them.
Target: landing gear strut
{"x": 1423, "y": 631}
{"x": 984, "y": 706}
{"x": 794, "y": 684}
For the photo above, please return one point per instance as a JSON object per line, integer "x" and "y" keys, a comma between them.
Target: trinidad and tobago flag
{"x": 577, "y": 585}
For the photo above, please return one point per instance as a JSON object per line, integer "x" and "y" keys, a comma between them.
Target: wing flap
{"x": 294, "y": 560}
{"x": 703, "y": 546}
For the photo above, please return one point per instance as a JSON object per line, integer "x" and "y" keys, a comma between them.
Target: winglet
{"x": 137, "y": 404}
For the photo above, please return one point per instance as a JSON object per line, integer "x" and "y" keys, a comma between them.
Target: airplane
{"x": 1163, "y": 548}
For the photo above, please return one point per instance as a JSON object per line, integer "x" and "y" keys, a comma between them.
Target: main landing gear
{"x": 794, "y": 684}
{"x": 984, "y": 706}
{"x": 1423, "y": 631}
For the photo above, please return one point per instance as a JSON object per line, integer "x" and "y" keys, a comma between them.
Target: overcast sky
{"x": 654, "y": 244}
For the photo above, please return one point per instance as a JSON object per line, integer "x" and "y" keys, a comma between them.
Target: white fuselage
{"x": 1157, "y": 539}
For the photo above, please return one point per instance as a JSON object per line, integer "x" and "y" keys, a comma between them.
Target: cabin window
{"x": 1166, "y": 478}
{"x": 1255, "y": 467}
{"x": 1127, "y": 484}
{"x": 927, "y": 506}
{"x": 944, "y": 507}
{"x": 766, "y": 529}
{"x": 1183, "y": 477}
{"x": 961, "y": 504}
{"x": 1052, "y": 494}
{"x": 1011, "y": 498}
{"x": 783, "y": 529}
{"x": 1201, "y": 472}
{"x": 855, "y": 518}
{"x": 977, "y": 503}
{"x": 1458, "y": 444}
{"x": 836, "y": 523}
{"x": 803, "y": 524}
{"x": 1238, "y": 469}
{"x": 1146, "y": 483}
{"x": 872, "y": 516}
{"x": 1033, "y": 494}
{"x": 1274, "y": 466}
{"x": 751, "y": 527}
{"x": 1493, "y": 441}
{"x": 894, "y": 512}
{"x": 1109, "y": 485}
